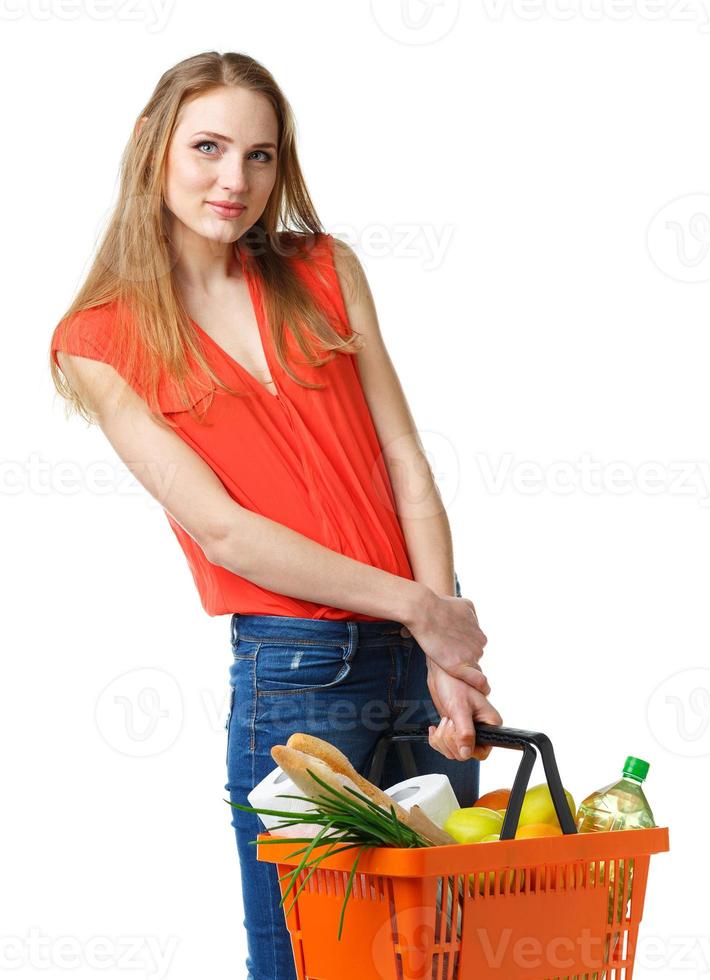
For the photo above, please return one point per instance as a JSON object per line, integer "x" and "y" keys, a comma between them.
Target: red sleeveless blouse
{"x": 309, "y": 459}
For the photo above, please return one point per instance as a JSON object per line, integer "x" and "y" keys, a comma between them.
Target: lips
{"x": 227, "y": 210}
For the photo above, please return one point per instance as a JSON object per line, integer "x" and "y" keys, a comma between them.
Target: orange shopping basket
{"x": 552, "y": 908}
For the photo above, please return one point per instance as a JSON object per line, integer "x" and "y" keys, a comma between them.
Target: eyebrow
{"x": 220, "y": 136}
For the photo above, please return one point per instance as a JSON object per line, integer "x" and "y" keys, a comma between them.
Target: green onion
{"x": 353, "y": 821}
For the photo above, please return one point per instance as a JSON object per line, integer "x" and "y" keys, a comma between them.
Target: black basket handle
{"x": 499, "y": 737}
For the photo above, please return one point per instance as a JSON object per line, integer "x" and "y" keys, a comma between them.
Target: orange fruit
{"x": 497, "y": 799}
{"x": 538, "y": 830}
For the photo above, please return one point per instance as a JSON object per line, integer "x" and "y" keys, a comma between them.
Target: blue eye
{"x": 197, "y": 146}
{"x": 264, "y": 153}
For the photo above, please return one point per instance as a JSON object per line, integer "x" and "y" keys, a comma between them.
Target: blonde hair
{"x": 152, "y": 331}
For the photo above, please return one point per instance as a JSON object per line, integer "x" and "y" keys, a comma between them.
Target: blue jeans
{"x": 346, "y": 681}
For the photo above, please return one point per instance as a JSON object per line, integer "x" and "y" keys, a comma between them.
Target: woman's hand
{"x": 459, "y": 705}
{"x": 446, "y": 628}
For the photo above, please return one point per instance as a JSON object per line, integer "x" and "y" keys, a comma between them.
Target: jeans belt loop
{"x": 352, "y": 638}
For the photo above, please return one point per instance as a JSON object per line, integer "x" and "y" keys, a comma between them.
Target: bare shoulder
{"x": 98, "y": 384}
{"x": 353, "y": 283}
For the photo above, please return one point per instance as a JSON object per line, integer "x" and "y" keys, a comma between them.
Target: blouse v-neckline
{"x": 252, "y": 287}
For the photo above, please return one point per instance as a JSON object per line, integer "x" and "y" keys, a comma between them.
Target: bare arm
{"x": 282, "y": 560}
{"x": 420, "y": 509}
{"x": 422, "y": 516}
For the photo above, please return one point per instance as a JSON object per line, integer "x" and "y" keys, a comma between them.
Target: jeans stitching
{"x": 252, "y": 748}
{"x": 252, "y": 718}
{"x": 295, "y": 641}
{"x": 392, "y": 678}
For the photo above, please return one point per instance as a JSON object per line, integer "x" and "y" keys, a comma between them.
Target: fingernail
{"x": 465, "y": 752}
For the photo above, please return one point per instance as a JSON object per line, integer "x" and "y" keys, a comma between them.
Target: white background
{"x": 527, "y": 187}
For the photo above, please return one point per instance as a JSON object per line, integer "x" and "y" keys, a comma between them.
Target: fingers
{"x": 455, "y": 737}
{"x": 455, "y": 741}
{"x": 464, "y": 734}
{"x": 437, "y": 738}
{"x": 473, "y": 676}
{"x": 449, "y": 737}
{"x": 490, "y": 716}
{"x": 480, "y": 683}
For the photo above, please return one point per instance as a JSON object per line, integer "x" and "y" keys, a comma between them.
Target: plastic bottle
{"x": 622, "y": 805}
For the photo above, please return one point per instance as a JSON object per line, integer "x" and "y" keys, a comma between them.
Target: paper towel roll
{"x": 265, "y": 794}
{"x": 433, "y": 792}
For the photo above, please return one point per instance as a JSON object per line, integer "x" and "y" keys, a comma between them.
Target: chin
{"x": 218, "y": 230}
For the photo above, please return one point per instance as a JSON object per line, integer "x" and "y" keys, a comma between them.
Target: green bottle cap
{"x": 638, "y": 768}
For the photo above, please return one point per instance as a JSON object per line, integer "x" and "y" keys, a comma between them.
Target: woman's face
{"x": 223, "y": 149}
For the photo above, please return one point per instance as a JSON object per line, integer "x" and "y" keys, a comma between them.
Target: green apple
{"x": 538, "y": 806}
{"x": 470, "y": 824}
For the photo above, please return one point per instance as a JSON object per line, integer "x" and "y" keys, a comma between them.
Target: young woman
{"x": 230, "y": 351}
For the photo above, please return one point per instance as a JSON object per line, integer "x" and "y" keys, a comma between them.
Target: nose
{"x": 234, "y": 178}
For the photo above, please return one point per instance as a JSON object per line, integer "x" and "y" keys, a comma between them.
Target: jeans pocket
{"x": 295, "y": 666}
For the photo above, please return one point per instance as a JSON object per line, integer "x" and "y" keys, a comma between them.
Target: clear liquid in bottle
{"x": 622, "y": 805}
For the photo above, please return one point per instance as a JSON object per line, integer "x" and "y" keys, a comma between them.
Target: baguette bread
{"x": 295, "y": 764}
{"x": 334, "y": 767}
